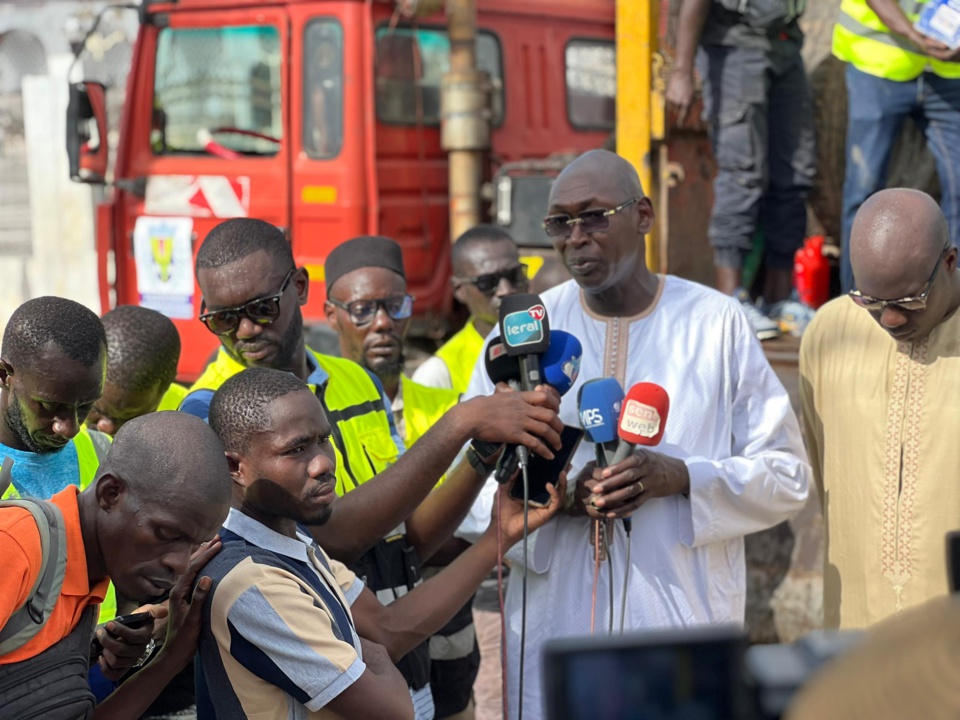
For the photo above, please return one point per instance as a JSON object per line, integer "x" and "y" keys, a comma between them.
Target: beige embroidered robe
{"x": 882, "y": 425}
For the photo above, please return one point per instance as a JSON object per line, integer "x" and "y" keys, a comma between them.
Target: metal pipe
{"x": 465, "y": 117}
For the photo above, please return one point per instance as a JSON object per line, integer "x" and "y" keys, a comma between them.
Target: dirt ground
{"x": 784, "y": 564}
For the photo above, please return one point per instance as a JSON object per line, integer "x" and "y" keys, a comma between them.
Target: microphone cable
{"x": 595, "y": 541}
{"x": 627, "y": 528}
{"x": 503, "y": 621}
{"x": 523, "y": 580}
{"x": 608, "y": 546}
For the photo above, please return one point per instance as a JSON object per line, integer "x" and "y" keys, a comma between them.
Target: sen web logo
{"x": 640, "y": 419}
{"x": 524, "y": 327}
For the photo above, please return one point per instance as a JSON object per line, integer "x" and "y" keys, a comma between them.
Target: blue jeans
{"x": 877, "y": 110}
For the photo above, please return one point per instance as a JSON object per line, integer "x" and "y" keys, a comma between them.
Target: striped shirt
{"x": 278, "y": 639}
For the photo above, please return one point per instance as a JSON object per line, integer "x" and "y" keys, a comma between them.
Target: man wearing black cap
{"x": 369, "y": 308}
{"x": 252, "y": 295}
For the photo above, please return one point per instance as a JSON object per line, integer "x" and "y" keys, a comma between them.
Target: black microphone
{"x": 525, "y": 334}
{"x": 560, "y": 368}
{"x": 502, "y": 368}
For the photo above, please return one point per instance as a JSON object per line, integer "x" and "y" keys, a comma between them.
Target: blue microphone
{"x": 559, "y": 367}
{"x": 561, "y": 362}
{"x": 599, "y": 403}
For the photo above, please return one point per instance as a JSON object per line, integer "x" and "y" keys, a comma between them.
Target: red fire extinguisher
{"x": 811, "y": 273}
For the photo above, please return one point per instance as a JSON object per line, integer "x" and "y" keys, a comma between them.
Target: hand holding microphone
{"x": 598, "y": 404}
{"x": 634, "y": 477}
{"x": 558, "y": 369}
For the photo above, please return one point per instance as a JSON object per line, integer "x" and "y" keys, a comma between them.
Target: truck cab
{"x": 323, "y": 118}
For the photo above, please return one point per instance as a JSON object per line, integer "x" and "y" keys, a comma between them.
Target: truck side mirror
{"x": 87, "y": 132}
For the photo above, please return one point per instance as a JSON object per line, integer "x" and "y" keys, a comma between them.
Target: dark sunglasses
{"x": 589, "y": 220}
{"x": 488, "y": 284}
{"x": 262, "y": 311}
{"x": 911, "y": 303}
{"x": 362, "y": 312}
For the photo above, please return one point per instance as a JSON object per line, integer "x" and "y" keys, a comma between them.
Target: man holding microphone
{"x": 731, "y": 461}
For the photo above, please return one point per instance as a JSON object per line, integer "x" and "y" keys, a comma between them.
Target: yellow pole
{"x": 639, "y": 115}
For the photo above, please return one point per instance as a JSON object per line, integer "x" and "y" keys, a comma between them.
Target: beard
{"x": 291, "y": 341}
{"x": 272, "y": 498}
{"x": 385, "y": 369}
{"x": 13, "y": 417}
{"x": 317, "y": 520}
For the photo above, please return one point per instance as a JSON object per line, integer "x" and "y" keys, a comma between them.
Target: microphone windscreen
{"x": 500, "y": 366}
{"x": 524, "y": 327}
{"x": 598, "y": 403}
{"x": 561, "y": 362}
{"x": 644, "y": 415}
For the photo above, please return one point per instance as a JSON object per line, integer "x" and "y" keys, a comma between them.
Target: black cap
{"x": 363, "y": 252}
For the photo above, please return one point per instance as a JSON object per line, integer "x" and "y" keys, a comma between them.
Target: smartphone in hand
{"x": 541, "y": 471}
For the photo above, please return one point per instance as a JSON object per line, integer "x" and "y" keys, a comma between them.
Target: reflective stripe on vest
{"x": 861, "y": 38}
{"x": 460, "y": 354}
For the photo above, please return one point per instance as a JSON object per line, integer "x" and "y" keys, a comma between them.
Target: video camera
{"x": 705, "y": 673}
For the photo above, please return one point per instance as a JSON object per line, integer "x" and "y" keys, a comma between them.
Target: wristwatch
{"x": 146, "y": 654}
{"x": 481, "y": 468}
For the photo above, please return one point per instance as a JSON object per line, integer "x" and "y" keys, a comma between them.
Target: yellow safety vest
{"x": 861, "y": 38}
{"x": 422, "y": 407}
{"x": 460, "y": 354}
{"x": 172, "y": 397}
{"x": 354, "y": 407}
{"x": 91, "y": 448}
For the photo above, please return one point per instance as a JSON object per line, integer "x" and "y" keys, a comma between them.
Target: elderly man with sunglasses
{"x": 879, "y": 381}
{"x": 386, "y": 523}
{"x": 731, "y": 461}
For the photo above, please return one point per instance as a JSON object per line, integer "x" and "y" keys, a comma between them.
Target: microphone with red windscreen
{"x": 643, "y": 418}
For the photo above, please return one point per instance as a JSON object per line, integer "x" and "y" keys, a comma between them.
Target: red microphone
{"x": 643, "y": 418}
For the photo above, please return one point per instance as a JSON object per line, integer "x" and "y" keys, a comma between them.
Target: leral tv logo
{"x": 524, "y": 327}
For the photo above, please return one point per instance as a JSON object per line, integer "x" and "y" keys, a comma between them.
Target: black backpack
{"x": 766, "y": 15}
{"x": 52, "y": 685}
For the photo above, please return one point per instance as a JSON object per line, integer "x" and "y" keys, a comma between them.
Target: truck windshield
{"x": 217, "y": 91}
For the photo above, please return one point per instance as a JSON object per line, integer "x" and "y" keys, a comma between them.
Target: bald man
{"x": 731, "y": 461}
{"x": 880, "y": 378}
{"x": 163, "y": 490}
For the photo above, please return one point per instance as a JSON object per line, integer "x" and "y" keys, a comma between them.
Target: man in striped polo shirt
{"x": 287, "y": 630}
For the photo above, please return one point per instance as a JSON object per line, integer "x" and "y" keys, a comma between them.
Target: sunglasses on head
{"x": 589, "y": 220}
{"x": 488, "y": 283}
{"x": 362, "y": 312}
{"x": 912, "y": 303}
{"x": 262, "y": 311}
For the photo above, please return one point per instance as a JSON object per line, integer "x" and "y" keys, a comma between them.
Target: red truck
{"x": 323, "y": 118}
